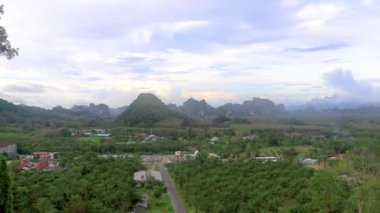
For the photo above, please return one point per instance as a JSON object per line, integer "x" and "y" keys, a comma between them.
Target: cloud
{"x": 27, "y": 88}
{"x": 315, "y": 15}
{"x": 146, "y": 34}
{"x": 212, "y": 97}
{"x": 347, "y": 87}
{"x": 367, "y": 2}
{"x": 333, "y": 60}
{"x": 210, "y": 49}
{"x": 328, "y": 47}
{"x": 290, "y": 3}
{"x": 93, "y": 79}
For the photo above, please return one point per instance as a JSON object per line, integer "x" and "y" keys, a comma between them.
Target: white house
{"x": 8, "y": 147}
{"x": 309, "y": 161}
{"x": 214, "y": 140}
{"x": 141, "y": 176}
{"x": 266, "y": 159}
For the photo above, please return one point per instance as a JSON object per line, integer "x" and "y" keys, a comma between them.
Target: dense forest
{"x": 84, "y": 184}
{"x": 286, "y": 186}
{"x": 254, "y": 187}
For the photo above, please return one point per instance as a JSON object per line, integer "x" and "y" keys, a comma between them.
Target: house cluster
{"x": 183, "y": 155}
{"x": 114, "y": 156}
{"x": 292, "y": 134}
{"x": 104, "y": 133}
{"x": 39, "y": 161}
{"x": 251, "y": 137}
{"x": 8, "y": 147}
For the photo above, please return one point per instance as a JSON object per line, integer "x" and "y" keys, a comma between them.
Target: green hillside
{"x": 147, "y": 110}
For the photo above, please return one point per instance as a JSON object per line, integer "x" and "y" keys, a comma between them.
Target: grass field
{"x": 92, "y": 139}
{"x": 160, "y": 205}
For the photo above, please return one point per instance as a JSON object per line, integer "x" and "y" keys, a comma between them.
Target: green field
{"x": 91, "y": 139}
{"x": 160, "y": 205}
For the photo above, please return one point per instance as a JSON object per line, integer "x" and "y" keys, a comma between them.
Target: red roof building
{"x": 22, "y": 165}
{"x": 41, "y": 165}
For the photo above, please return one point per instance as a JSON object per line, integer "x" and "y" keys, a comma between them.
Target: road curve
{"x": 172, "y": 191}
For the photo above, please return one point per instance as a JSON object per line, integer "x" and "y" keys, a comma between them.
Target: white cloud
{"x": 347, "y": 87}
{"x": 97, "y": 51}
{"x": 144, "y": 34}
{"x": 290, "y": 3}
{"x": 185, "y": 25}
{"x": 315, "y": 15}
{"x": 367, "y": 2}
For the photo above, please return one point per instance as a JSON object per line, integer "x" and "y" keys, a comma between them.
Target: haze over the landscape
{"x": 291, "y": 51}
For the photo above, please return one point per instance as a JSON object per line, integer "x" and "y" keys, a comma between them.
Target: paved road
{"x": 173, "y": 193}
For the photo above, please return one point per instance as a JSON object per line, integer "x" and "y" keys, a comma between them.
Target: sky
{"x": 97, "y": 51}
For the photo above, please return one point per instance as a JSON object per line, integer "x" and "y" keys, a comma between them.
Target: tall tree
{"x": 5, "y": 188}
{"x": 6, "y": 48}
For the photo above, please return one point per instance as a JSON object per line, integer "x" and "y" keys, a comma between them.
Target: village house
{"x": 74, "y": 132}
{"x": 41, "y": 165}
{"x": 251, "y": 137}
{"x": 43, "y": 156}
{"x": 39, "y": 161}
{"x": 8, "y": 147}
{"x": 23, "y": 166}
{"x": 142, "y": 175}
{"x": 266, "y": 159}
{"x": 26, "y": 157}
{"x": 213, "y": 155}
{"x": 151, "y": 138}
{"x": 309, "y": 161}
{"x": 104, "y": 133}
{"x": 125, "y": 156}
{"x": 183, "y": 155}
{"x": 214, "y": 140}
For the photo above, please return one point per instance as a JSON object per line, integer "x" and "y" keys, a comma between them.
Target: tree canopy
{"x": 5, "y": 188}
{"x": 6, "y": 48}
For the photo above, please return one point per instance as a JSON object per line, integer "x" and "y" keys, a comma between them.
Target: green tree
{"x": 5, "y": 188}
{"x": 5, "y": 46}
{"x": 325, "y": 192}
{"x": 289, "y": 153}
{"x": 43, "y": 204}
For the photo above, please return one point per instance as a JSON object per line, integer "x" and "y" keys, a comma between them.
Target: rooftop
{"x": 41, "y": 153}
{"x": 6, "y": 143}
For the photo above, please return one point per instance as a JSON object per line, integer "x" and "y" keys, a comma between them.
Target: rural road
{"x": 172, "y": 191}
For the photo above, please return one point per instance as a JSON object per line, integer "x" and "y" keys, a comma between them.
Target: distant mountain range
{"x": 252, "y": 108}
{"x": 148, "y": 110}
{"x": 11, "y": 113}
{"x": 100, "y": 110}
